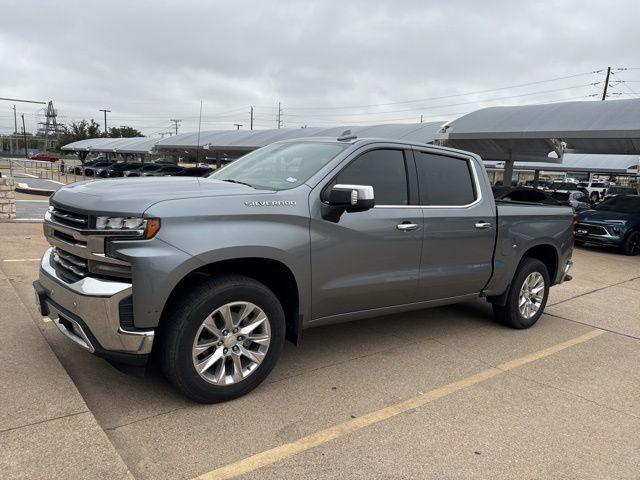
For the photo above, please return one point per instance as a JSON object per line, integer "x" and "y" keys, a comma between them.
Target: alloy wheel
{"x": 231, "y": 343}
{"x": 531, "y": 295}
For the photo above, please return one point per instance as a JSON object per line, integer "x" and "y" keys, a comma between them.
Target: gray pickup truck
{"x": 213, "y": 274}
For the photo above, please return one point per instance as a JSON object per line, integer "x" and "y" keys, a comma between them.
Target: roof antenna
{"x": 346, "y": 136}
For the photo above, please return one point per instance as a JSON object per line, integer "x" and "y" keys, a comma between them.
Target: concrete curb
{"x": 24, "y": 188}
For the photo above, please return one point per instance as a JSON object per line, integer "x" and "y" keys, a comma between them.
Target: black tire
{"x": 578, "y": 243}
{"x": 631, "y": 245}
{"x": 595, "y": 196}
{"x": 181, "y": 324}
{"x": 509, "y": 314}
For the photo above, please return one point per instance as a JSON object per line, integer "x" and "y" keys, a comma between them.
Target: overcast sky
{"x": 386, "y": 61}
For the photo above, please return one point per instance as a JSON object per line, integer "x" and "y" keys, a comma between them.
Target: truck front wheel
{"x": 527, "y": 296}
{"x": 222, "y": 338}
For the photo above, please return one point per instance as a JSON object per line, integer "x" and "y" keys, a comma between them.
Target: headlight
{"x": 150, "y": 226}
{"x": 119, "y": 223}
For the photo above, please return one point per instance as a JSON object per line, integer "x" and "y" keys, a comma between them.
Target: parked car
{"x": 596, "y": 189}
{"x": 561, "y": 186}
{"x": 524, "y": 194}
{"x": 78, "y": 169}
{"x": 133, "y": 170}
{"x": 164, "y": 170}
{"x": 98, "y": 169}
{"x": 118, "y": 169}
{"x": 195, "y": 172}
{"x": 613, "y": 191}
{"x": 542, "y": 183}
{"x": 149, "y": 169}
{"x": 615, "y": 222}
{"x": 500, "y": 183}
{"x": 226, "y": 268}
{"x": 44, "y": 157}
{"x": 579, "y": 201}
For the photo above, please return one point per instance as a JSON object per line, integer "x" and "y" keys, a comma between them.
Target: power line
{"x": 447, "y": 105}
{"x": 624, "y": 83}
{"x": 477, "y": 92}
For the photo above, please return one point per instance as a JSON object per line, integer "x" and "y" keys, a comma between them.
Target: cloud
{"x": 149, "y": 62}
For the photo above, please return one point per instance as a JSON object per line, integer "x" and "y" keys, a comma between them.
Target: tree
{"x": 124, "y": 132}
{"x": 77, "y": 131}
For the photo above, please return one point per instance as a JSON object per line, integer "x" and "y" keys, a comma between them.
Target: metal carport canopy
{"x": 247, "y": 140}
{"x": 578, "y": 162}
{"x": 139, "y": 145}
{"x": 531, "y": 132}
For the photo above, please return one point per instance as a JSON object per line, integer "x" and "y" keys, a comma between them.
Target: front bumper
{"x": 600, "y": 239}
{"x": 597, "y": 233}
{"x": 88, "y": 313}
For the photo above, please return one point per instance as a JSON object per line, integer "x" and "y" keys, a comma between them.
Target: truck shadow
{"x": 118, "y": 399}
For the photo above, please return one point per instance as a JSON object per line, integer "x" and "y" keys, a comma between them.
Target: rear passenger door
{"x": 459, "y": 226}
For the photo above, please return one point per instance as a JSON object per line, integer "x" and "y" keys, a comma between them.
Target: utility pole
{"x": 237, "y": 125}
{"x": 279, "y": 115}
{"x": 606, "y": 84}
{"x": 176, "y": 123}
{"x": 15, "y": 121}
{"x": 420, "y": 118}
{"x": 106, "y": 131}
{"x": 251, "y": 118}
{"x": 24, "y": 136}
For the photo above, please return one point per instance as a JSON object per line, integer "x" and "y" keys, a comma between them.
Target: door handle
{"x": 405, "y": 227}
{"x": 483, "y": 225}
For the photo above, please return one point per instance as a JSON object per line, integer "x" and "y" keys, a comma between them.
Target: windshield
{"x": 280, "y": 166}
{"x": 621, "y": 205}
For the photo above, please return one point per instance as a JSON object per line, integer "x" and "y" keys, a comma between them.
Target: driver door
{"x": 371, "y": 259}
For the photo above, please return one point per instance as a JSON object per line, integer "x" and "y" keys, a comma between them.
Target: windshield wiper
{"x": 239, "y": 182}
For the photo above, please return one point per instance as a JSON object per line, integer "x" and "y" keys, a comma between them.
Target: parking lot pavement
{"x": 46, "y": 429}
{"x": 568, "y": 410}
{"x": 31, "y": 209}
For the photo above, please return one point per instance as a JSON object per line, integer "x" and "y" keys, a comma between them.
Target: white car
{"x": 596, "y": 189}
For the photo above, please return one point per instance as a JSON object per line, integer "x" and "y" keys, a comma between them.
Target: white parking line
{"x": 22, "y": 260}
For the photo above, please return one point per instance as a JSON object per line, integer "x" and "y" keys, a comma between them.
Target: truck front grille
{"x": 69, "y": 218}
{"x": 68, "y": 265}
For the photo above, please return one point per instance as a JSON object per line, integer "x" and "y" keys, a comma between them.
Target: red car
{"x": 46, "y": 157}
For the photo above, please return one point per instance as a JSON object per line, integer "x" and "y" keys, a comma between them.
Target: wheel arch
{"x": 546, "y": 253}
{"x": 274, "y": 274}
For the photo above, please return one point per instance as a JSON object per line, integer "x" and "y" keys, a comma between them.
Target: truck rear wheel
{"x": 222, "y": 338}
{"x": 527, "y": 296}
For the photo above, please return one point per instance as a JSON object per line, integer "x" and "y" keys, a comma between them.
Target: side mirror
{"x": 352, "y": 198}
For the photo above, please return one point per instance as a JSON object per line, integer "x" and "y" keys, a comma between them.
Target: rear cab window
{"x": 445, "y": 180}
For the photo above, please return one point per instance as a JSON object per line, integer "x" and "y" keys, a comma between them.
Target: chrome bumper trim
{"x": 76, "y": 334}
{"x": 96, "y": 303}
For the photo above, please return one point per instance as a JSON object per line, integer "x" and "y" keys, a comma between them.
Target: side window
{"x": 444, "y": 180}
{"x": 384, "y": 170}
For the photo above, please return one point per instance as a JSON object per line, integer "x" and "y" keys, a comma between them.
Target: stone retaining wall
{"x": 7, "y": 198}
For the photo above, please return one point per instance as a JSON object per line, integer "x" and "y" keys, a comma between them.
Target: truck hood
{"x": 132, "y": 196}
{"x": 604, "y": 216}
